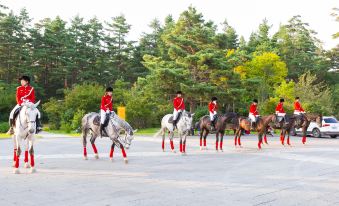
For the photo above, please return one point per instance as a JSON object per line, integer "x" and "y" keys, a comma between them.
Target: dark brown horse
{"x": 244, "y": 124}
{"x": 220, "y": 126}
{"x": 303, "y": 121}
{"x": 285, "y": 126}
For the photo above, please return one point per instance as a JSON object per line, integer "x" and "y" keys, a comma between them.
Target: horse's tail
{"x": 159, "y": 133}
{"x": 85, "y": 125}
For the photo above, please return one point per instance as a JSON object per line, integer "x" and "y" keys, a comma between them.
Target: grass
{"x": 147, "y": 131}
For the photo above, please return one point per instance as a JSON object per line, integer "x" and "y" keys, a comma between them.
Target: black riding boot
{"x": 38, "y": 125}
{"x": 174, "y": 124}
{"x": 101, "y": 129}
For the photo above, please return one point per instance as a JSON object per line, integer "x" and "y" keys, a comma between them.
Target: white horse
{"x": 91, "y": 126}
{"x": 184, "y": 125}
{"x": 24, "y": 129}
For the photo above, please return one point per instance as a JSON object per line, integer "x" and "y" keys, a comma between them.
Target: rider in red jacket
{"x": 24, "y": 93}
{"x": 253, "y": 114}
{"x": 106, "y": 107}
{"x": 213, "y": 108}
{"x": 179, "y": 106}
{"x": 297, "y": 107}
{"x": 279, "y": 110}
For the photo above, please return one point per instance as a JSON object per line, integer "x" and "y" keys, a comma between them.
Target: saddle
{"x": 170, "y": 120}
{"x": 15, "y": 115}
{"x": 96, "y": 121}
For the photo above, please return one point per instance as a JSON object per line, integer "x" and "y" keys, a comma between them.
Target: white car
{"x": 330, "y": 126}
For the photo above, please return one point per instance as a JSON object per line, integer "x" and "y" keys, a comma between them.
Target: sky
{"x": 244, "y": 15}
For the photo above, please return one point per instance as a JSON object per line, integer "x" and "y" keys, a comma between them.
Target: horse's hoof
{"x": 126, "y": 160}
{"x": 221, "y": 150}
{"x": 173, "y": 151}
{"x": 85, "y": 158}
{"x": 183, "y": 154}
{"x": 163, "y": 150}
{"x": 27, "y": 165}
{"x": 13, "y": 165}
{"x": 205, "y": 148}
{"x": 16, "y": 171}
{"x": 111, "y": 159}
{"x": 201, "y": 148}
{"x": 96, "y": 156}
{"x": 33, "y": 170}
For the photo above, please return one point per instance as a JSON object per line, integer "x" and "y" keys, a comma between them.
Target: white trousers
{"x": 298, "y": 112}
{"x": 15, "y": 108}
{"x": 281, "y": 114}
{"x": 252, "y": 117}
{"x": 102, "y": 116}
{"x": 175, "y": 113}
{"x": 212, "y": 114}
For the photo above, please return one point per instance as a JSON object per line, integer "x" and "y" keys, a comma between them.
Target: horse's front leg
{"x": 283, "y": 132}
{"x": 288, "y": 137}
{"x": 123, "y": 152}
{"x": 259, "y": 140}
{"x": 171, "y": 136}
{"x": 304, "y": 135}
{"x": 180, "y": 143}
{"x": 111, "y": 151}
{"x": 163, "y": 140}
{"x": 93, "y": 138}
{"x": 15, "y": 150}
{"x": 184, "y": 144}
{"x": 26, "y": 154}
{"x": 221, "y": 140}
{"x": 205, "y": 136}
{"x": 216, "y": 141}
{"x": 84, "y": 143}
{"x": 236, "y": 137}
{"x": 18, "y": 152}
{"x": 31, "y": 152}
{"x": 201, "y": 134}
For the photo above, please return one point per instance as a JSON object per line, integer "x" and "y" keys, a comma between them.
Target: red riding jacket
{"x": 280, "y": 108}
{"x": 297, "y": 107}
{"x": 106, "y": 103}
{"x": 25, "y": 93}
{"x": 212, "y": 107}
{"x": 253, "y": 109}
{"x": 178, "y": 103}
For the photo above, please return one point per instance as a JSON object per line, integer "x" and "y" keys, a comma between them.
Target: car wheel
{"x": 293, "y": 132}
{"x": 316, "y": 133}
{"x": 333, "y": 136}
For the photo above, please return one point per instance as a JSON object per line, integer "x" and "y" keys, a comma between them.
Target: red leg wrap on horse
{"x": 259, "y": 144}
{"x": 32, "y": 160}
{"x": 17, "y": 162}
{"x": 239, "y": 141}
{"x": 205, "y": 142}
{"x": 111, "y": 152}
{"x": 221, "y": 145}
{"x": 304, "y": 140}
{"x": 163, "y": 144}
{"x": 216, "y": 145}
{"x": 184, "y": 147}
{"x": 85, "y": 151}
{"x": 288, "y": 140}
{"x": 172, "y": 145}
{"x": 200, "y": 142}
{"x": 265, "y": 139}
{"x": 123, "y": 151}
{"x": 180, "y": 147}
{"x": 26, "y": 156}
{"x": 235, "y": 140}
{"x": 14, "y": 157}
{"x": 94, "y": 149}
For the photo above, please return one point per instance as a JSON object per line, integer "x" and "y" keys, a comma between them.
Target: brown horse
{"x": 291, "y": 122}
{"x": 303, "y": 121}
{"x": 220, "y": 126}
{"x": 244, "y": 124}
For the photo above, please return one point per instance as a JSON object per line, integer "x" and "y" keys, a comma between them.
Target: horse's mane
{"x": 122, "y": 123}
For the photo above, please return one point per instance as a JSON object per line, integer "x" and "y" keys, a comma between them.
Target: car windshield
{"x": 330, "y": 120}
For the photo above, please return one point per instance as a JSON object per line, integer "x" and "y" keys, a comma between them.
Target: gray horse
{"x": 184, "y": 125}
{"x": 91, "y": 126}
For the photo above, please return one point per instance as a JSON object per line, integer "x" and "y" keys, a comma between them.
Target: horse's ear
{"x": 134, "y": 131}
{"x": 36, "y": 104}
{"x": 192, "y": 114}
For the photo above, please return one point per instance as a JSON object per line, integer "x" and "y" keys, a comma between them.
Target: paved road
{"x": 277, "y": 175}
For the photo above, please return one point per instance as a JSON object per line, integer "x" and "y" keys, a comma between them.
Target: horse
{"x": 24, "y": 129}
{"x": 244, "y": 124}
{"x": 220, "y": 126}
{"x": 303, "y": 120}
{"x": 184, "y": 125}
{"x": 91, "y": 126}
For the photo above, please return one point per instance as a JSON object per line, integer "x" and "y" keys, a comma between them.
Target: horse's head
{"x": 187, "y": 119}
{"x": 129, "y": 136}
{"x": 31, "y": 112}
{"x": 319, "y": 120}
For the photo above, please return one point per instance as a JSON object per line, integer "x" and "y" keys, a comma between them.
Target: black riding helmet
{"x": 109, "y": 89}
{"x": 26, "y": 78}
{"x": 282, "y": 100}
{"x": 296, "y": 98}
{"x": 214, "y": 99}
{"x": 179, "y": 92}
{"x": 255, "y": 100}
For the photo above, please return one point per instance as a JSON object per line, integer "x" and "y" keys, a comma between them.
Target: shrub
{"x": 4, "y": 127}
